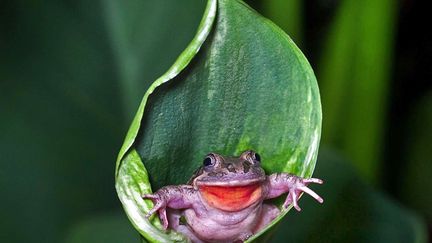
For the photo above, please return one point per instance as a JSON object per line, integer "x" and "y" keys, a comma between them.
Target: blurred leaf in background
{"x": 416, "y": 188}
{"x": 62, "y": 103}
{"x": 288, "y": 15}
{"x": 60, "y": 118}
{"x": 106, "y": 228}
{"x": 354, "y": 72}
{"x": 145, "y": 38}
{"x": 72, "y": 74}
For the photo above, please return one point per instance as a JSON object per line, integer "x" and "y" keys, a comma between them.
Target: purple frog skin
{"x": 224, "y": 199}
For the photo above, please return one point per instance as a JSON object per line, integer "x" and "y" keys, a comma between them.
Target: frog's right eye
{"x": 257, "y": 157}
{"x": 209, "y": 161}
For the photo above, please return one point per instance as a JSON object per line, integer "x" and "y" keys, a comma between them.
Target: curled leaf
{"x": 241, "y": 84}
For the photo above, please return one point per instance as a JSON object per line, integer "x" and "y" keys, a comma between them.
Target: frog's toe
{"x": 163, "y": 217}
{"x": 149, "y": 196}
{"x": 312, "y": 194}
{"x": 294, "y": 199}
{"x": 158, "y": 206}
{"x": 301, "y": 186}
{"x": 151, "y": 212}
{"x": 287, "y": 202}
{"x": 313, "y": 180}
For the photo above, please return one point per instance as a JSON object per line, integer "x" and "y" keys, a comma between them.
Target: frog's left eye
{"x": 209, "y": 160}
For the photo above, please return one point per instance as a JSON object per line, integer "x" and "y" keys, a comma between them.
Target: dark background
{"x": 72, "y": 74}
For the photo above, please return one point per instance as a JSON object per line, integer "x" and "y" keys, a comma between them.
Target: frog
{"x": 225, "y": 199}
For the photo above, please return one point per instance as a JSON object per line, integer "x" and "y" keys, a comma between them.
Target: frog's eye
{"x": 209, "y": 160}
{"x": 257, "y": 157}
{"x": 251, "y": 156}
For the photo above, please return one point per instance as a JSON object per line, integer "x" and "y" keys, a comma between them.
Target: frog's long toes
{"x": 312, "y": 194}
{"x": 313, "y": 180}
{"x": 297, "y": 207}
{"x": 149, "y": 196}
{"x": 163, "y": 218}
{"x": 156, "y": 207}
{"x": 294, "y": 199}
{"x": 150, "y": 213}
{"x": 285, "y": 205}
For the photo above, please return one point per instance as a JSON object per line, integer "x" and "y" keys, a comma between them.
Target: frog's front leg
{"x": 176, "y": 197}
{"x": 281, "y": 183}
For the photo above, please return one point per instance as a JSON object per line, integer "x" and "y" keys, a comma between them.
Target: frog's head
{"x": 230, "y": 183}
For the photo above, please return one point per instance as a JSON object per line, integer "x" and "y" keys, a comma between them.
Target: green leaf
{"x": 416, "y": 187}
{"x": 287, "y": 14}
{"x": 135, "y": 39}
{"x": 243, "y": 86}
{"x": 131, "y": 183}
{"x": 354, "y": 75}
{"x": 62, "y": 91}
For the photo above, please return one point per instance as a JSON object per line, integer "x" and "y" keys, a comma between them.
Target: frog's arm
{"x": 176, "y": 197}
{"x": 280, "y": 183}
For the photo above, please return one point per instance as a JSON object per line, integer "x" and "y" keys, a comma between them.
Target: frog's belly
{"x": 220, "y": 226}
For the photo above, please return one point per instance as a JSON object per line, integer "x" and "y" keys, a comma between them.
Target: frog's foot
{"x": 299, "y": 185}
{"x": 159, "y": 205}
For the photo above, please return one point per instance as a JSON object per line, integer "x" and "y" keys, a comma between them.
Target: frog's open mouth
{"x": 231, "y": 197}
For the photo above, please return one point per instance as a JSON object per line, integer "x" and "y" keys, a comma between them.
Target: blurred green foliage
{"x": 354, "y": 74}
{"x": 105, "y": 228}
{"x": 72, "y": 74}
{"x": 288, "y": 16}
{"x": 63, "y": 114}
{"x": 416, "y": 188}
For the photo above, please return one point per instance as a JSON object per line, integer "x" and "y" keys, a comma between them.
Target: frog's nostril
{"x": 231, "y": 168}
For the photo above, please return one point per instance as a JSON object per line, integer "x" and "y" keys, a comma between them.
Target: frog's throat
{"x": 231, "y": 198}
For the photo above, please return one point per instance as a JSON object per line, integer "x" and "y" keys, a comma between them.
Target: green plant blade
{"x": 102, "y": 228}
{"x": 248, "y": 87}
{"x": 417, "y": 159}
{"x": 131, "y": 183}
{"x": 179, "y": 65}
{"x": 354, "y": 73}
{"x": 287, "y": 14}
{"x": 136, "y": 30}
{"x": 131, "y": 177}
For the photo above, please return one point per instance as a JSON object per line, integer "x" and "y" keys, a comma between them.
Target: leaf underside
{"x": 248, "y": 87}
